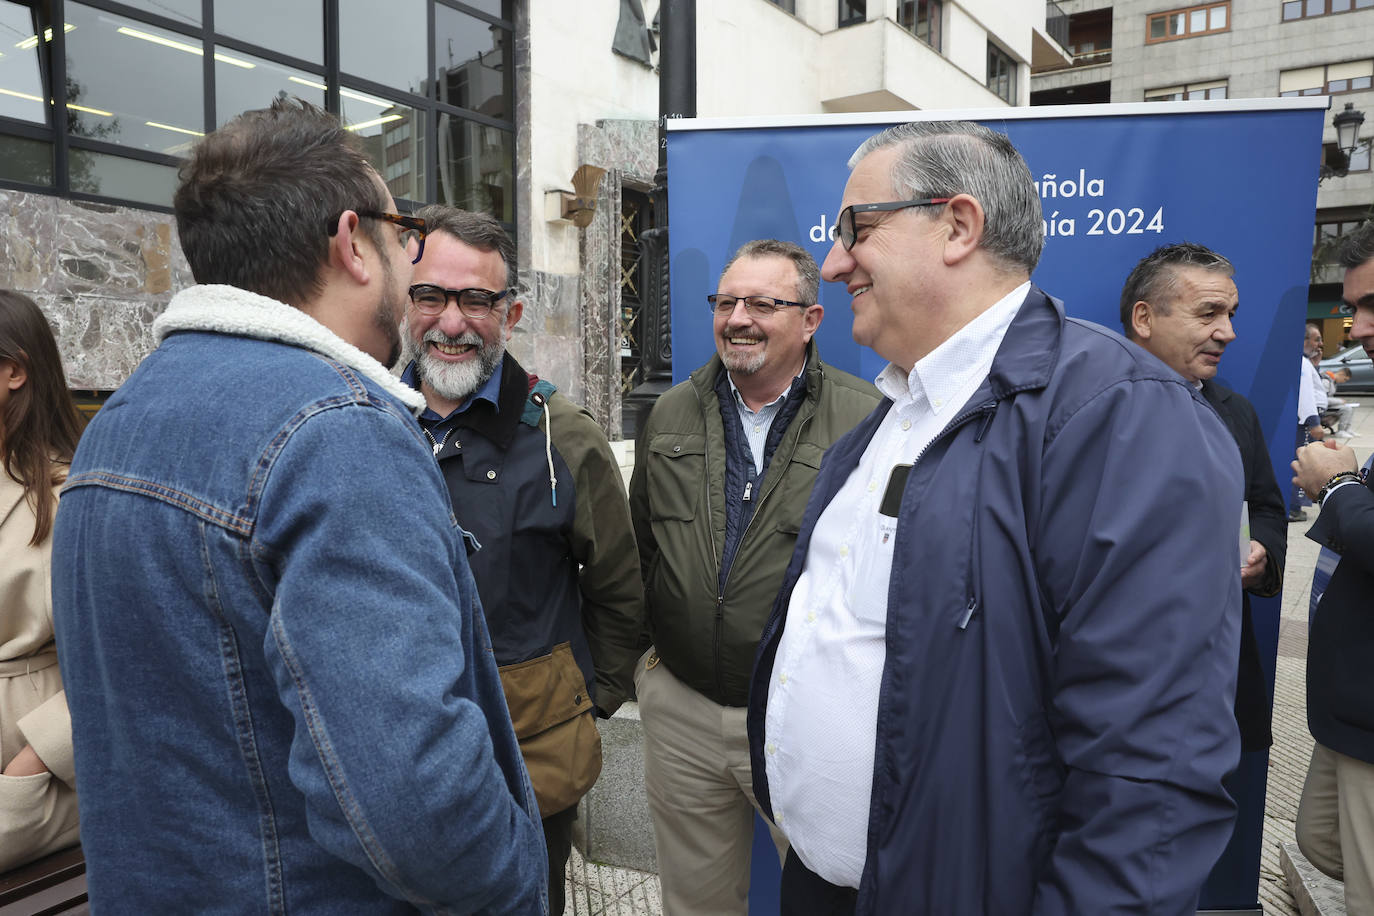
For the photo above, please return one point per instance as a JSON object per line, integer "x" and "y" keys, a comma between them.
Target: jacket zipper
{"x": 748, "y": 495}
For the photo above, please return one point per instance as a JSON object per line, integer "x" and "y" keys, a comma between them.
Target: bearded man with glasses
{"x": 724, "y": 464}
{"x": 532, "y": 476}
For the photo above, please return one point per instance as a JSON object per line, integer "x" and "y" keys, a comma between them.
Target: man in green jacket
{"x": 723, "y": 468}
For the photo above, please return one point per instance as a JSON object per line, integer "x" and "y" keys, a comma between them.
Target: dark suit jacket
{"x": 1340, "y": 678}
{"x": 1269, "y": 526}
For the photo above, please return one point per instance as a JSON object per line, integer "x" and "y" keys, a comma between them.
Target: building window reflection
{"x": 134, "y": 84}
{"x": 141, "y": 82}
{"x": 476, "y": 167}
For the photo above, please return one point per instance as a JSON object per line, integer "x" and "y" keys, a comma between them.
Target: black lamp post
{"x": 1347, "y": 123}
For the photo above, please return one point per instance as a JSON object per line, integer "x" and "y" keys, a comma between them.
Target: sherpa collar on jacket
{"x": 223, "y": 309}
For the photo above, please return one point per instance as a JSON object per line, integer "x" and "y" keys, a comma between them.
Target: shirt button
{"x": 758, "y": 429}
{"x": 906, "y": 424}
{"x": 777, "y": 818}
{"x": 844, "y": 550}
{"x": 872, "y": 486}
{"x": 772, "y": 748}
{"x": 782, "y": 678}
{"x": 810, "y": 616}
{"x": 491, "y": 475}
{"x": 939, "y": 401}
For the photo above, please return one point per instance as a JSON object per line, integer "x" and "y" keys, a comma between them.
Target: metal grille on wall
{"x": 635, "y": 214}
{"x": 427, "y": 86}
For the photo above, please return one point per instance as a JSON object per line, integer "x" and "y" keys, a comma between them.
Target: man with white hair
{"x": 999, "y": 675}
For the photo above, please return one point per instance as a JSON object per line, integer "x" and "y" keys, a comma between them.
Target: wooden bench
{"x": 54, "y": 884}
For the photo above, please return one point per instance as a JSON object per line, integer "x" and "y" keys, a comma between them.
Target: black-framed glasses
{"x": 845, "y": 229}
{"x": 473, "y": 302}
{"x": 756, "y": 306}
{"x": 412, "y": 228}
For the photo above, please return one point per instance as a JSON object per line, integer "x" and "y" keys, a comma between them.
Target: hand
{"x": 1316, "y": 433}
{"x": 26, "y": 763}
{"x": 1252, "y": 573}
{"x": 1316, "y": 463}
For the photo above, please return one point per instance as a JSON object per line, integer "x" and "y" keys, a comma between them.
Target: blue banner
{"x": 1115, "y": 182}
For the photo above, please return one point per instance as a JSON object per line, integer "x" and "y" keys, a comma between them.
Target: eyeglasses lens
{"x": 844, "y": 227}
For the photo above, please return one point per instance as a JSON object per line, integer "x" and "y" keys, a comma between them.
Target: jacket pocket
{"x": 677, "y": 469}
{"x": 554, "y": 723}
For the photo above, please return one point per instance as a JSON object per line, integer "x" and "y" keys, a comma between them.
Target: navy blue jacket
{"x": 1055, "y": 714}
{"x": 1340, "y": 686}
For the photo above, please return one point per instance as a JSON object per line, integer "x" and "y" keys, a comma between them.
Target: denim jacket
{"x": 282, "y": 690}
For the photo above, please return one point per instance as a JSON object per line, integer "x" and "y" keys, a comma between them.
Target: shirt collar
{"x": 948, "y": 369}
{"x": 490, "y": 392}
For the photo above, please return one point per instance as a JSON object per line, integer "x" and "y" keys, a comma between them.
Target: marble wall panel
{"x": 100, "y": 273}
{"x": 548, "y": 339}
{"x": 600, "y": 307}
{"x": 628, "y": 150}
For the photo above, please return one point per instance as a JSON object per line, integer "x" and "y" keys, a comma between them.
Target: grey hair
{"x": 1358, "y": 246}
{"x": 945, "y": 158}
{"x": 1155, "y": 277}
{"x": 808, "y": 274}
{"x": 478, "y": 230}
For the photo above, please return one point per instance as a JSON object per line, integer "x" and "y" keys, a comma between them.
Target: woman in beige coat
{"x": 39, "y": 426}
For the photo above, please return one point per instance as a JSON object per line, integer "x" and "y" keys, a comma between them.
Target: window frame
{"x": 1355, "y": 7}
{"x": 428, "y": 106}
{"x": 999, "y": 55}
{"x": 1325, "y": 87}
{"x": 1183, "y": 89}
{"x": 853, "y": 18}
{"x": 935, "y": 15}
{"x": 1187, "y": 13}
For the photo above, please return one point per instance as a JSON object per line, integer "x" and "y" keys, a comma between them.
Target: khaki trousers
{"x": 701, "y": 796}
{"x": 1335, "y": 827}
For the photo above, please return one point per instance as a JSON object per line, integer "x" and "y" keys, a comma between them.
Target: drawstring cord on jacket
{"x": 548, "y": 446}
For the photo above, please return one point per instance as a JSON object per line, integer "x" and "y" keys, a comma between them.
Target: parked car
{"x": 1360, "y": 366}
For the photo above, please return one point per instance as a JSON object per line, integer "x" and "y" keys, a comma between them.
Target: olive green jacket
{"x": 677, "y": 500}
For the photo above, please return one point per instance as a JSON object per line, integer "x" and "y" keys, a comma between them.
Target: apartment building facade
{"x": 1147, "y": 50}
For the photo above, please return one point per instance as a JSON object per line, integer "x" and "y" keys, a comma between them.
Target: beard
{"x": 384, "y": 318}
{"x": 457, "y": 381}
{"x": 742, "y": 363}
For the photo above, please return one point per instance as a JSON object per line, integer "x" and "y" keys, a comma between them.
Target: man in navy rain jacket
{"x": 1000, "y": 672}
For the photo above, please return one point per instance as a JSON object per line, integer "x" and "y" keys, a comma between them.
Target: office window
{"x": 1331, "y": 79}
{"x": 1189, "y": 22}
{"x": 1001, "y": 73}
{"x": 1192, "y": 91}
{"x": 922, "y": 19}
{"x": 139, "y": 81}
{"x": 789, "y": 5}
{"x": 852, "y": 12}
{"x": 1358, "y": 161}
{"x": 1306, "y": 9}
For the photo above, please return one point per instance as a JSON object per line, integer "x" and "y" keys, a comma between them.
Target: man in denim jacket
{"x": 282, "y": 691}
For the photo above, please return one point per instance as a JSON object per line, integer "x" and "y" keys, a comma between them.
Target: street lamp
{"x": 1347, "y": 123}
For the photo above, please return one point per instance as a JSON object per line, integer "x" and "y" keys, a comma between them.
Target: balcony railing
{"x": 1089, "y": 58}
{"x": 1057, "y": 23}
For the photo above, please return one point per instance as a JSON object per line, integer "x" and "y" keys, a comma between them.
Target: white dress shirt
{"x": 830, "y": 658}
{"x": 757, "y": 423}
{"x": 1308, "y": 385}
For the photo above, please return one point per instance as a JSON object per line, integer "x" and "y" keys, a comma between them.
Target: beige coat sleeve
{"x": 49, "y": 729}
